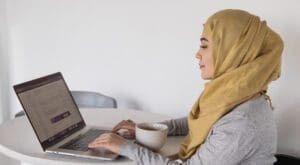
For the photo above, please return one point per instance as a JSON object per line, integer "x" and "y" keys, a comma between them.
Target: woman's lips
{"x": 202, "y": 66}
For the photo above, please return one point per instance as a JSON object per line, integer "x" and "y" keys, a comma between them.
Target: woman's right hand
{"x": 127, "y": 125}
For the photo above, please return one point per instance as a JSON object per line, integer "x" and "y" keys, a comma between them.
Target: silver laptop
{"x": 56, "y": 119}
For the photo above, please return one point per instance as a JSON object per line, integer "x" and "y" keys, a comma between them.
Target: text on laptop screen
{"x": 51, "y": 109}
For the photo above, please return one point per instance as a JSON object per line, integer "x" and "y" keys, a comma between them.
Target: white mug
{"x": 151, "y": 135}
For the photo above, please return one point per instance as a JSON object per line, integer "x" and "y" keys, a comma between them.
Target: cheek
{"x": 210, "y": 66}
{"x": 209, "y": 62}
{"x": 209, "y": 59}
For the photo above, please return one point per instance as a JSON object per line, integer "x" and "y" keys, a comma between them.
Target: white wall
{"x": 142, "y": 52}
{"x": 4, "y": 64}
{"x": 4, "y": 75}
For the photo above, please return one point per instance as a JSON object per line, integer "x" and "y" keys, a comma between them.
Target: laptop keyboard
{"x": 80, "y": 143}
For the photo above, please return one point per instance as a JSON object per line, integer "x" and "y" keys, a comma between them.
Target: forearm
{"x": 177, "y": 127}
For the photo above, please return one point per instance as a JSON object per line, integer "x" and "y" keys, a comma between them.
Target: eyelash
{"x": 203, "y": 46}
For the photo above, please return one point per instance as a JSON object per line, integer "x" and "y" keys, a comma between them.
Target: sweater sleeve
{"x": 177, "y": 127}
{"x": 228, "y": 143}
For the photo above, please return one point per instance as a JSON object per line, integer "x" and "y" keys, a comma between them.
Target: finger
{"x": 130, "y": 121}
{"x": 128, "y": 127}
{"x": 100, "y": 140}
{"x": 116, "y": 129}
{"x": 104, "y": 135}
{"x": 127, "y": 133}
{"x": 98, "y": 144}
{"x": 124, "y": 122}
{"x": 101, "y": 137}
{"x": 128, "y": 136}
{"x": 119, "y": 124}
{"x": 105, "y": 138}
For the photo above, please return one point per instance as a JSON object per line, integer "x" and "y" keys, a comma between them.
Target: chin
{"x": 206, "y": 77}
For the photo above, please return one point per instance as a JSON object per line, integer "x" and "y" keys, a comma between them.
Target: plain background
{"x": 140, "y": 52}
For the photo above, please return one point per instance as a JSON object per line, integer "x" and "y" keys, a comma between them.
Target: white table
{"x": 18, "y": 141}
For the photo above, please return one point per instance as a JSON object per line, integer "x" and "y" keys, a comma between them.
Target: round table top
{"x": 18, "y": 140}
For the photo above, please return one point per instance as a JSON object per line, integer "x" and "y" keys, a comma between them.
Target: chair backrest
{"x": 87, "y": 99}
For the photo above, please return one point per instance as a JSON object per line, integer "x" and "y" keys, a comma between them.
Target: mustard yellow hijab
{"x": 247, "y": 57}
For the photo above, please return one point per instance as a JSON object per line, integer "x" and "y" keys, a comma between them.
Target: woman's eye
{"x": 203, "y": 46}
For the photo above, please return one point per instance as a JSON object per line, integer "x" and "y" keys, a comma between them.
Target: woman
{"x": 232, "y": 120}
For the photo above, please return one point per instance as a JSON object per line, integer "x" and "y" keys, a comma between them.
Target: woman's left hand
{"x": 110, "y": 141}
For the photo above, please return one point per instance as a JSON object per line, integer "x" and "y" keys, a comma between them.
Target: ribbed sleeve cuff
{"x": 128, "y": 148}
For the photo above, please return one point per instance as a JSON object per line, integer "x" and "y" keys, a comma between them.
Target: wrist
{"x": 127, "y": 148}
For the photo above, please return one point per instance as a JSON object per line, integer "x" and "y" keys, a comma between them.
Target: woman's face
{"x": 204, "y": 55}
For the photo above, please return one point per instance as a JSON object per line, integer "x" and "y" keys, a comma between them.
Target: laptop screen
{"x": 50, "y": 108}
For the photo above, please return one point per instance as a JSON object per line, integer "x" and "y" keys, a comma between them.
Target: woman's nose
{"x": 198, "y": 55}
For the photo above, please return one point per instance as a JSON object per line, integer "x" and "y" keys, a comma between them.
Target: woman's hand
{"x": 129, "y": 126}
{"x": 110, "y": 141}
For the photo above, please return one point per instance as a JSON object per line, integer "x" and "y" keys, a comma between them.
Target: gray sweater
{"x": 246, "y": 135}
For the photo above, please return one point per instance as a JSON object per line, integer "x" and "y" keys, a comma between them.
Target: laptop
{"x": 56, "y": 119}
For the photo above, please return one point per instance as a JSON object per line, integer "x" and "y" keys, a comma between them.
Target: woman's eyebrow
{"x": 203, "y": 39}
